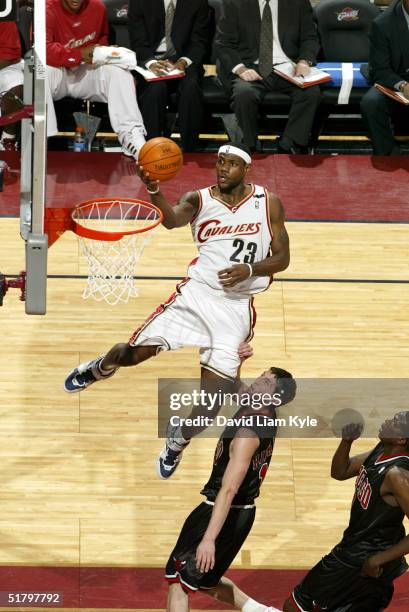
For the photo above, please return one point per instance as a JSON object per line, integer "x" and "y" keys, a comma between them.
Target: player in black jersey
{"x": 358, "y": 574}
{"x": 214, "y": 532}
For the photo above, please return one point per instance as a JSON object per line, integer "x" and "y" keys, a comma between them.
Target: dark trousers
{"x": 380, "y": 113}
{"x": 154, "y": 97}
{"x": 246, "y": 97}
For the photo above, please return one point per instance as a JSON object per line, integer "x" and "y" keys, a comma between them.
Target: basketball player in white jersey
{"x": 239, "y": 230}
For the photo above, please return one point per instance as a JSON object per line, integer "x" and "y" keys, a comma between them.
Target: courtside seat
{"x": 343, "y": 29}
{"x": 117, "y": 14}
{"x": 217, "y": 100}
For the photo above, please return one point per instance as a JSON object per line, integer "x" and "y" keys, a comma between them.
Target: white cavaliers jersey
{"x": 229, "y": 235}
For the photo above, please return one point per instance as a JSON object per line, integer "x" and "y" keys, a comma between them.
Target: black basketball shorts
{"x": 332, "y": 586}
{"x": 181, "y": 566}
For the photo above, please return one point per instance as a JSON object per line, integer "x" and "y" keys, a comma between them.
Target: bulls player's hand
{"x": 205, "y": 556}
{"x": 352, "y": 431}
{"x": 87, "y": 53}
{"x": 229, "y": 277}
{"x": 245, "y": 351}
{"x": 145, "y": 178}
{"x": 372, "y": 567}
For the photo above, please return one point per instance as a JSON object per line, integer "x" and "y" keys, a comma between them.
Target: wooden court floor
{"x": 78, "y": 471}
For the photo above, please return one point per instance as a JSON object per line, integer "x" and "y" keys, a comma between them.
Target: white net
{"x": 112, "y": 262}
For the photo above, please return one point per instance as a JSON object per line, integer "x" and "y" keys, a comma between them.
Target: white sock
{"x": 7, "y": 135}
{"x": 253, "y": 606}
{"x": 178, "y": 438}
{"x": 106, "y": 371}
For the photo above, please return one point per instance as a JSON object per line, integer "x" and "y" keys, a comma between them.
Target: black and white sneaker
{"x": 169, "y": 458}
{"x": 85, "y": 375}
{"x": 132, "y": 143}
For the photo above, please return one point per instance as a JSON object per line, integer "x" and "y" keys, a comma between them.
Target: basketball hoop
{"x": 113, "y": 235}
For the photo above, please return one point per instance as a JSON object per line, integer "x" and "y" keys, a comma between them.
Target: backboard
{"x": 34, "y": 168}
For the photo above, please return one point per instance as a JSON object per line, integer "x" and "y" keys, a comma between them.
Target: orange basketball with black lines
{"x": 161, "y": 157}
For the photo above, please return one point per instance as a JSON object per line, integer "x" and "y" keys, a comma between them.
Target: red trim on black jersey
{"x": 178, "y": 580}
{"x": 296, "y": 603}
{"x": 234, "y": 208}
{"x": 383, "y": 457}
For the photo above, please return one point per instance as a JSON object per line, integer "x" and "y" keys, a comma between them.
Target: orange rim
{"x": 103, "y": 203}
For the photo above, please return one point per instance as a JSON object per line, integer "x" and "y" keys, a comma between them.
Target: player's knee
{"x": 114, "y": 73}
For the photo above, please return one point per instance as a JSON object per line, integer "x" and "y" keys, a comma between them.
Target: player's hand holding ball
{"x": 151, "y": 185}
{"x": 161, "y": 159}
{"x": 352, "y": 431}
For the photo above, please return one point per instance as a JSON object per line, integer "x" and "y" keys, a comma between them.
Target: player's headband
{"x": 232, "y": 150}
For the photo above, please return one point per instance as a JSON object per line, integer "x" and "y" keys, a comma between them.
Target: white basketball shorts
{"x": 197, "y": 315}
{"x": 11, "y": 76}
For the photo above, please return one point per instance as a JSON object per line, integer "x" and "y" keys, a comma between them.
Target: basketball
{"x": 161, "y": 157}
{"x": 345, "y": 417}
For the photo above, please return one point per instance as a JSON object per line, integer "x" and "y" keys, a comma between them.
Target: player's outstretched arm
{"x": 396, "y": 484}
{"x": 343, "y": 466}
{"x": 245, "y": 351}
{"x": 242, "y": 450}
{"x": 173, "y": 216}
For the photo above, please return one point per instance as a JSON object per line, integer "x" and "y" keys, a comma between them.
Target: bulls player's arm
{"x": 242, "y": 450}
{"x": 173, "y": 216}
{"x": 245, "y": 351}
{"x": 343, "y": 466}
{"x": 396, "y": 485}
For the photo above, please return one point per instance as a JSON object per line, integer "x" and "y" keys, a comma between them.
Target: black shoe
{"x": 292, "y": 149}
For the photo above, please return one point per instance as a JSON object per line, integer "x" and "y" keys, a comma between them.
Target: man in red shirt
{"x": 11, "y": 79}
{"x": 74, "y": 28}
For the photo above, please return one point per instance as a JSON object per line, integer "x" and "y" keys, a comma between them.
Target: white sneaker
{"x": 132, "y": 143}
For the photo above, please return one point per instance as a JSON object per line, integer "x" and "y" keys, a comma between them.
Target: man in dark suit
{"x": 388, "y": 66}
{"x": 253, "y": 35}
{"x": 167, "y": 34}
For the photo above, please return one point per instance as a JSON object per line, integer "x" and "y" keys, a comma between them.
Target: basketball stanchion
{"x": 113, "y": 235}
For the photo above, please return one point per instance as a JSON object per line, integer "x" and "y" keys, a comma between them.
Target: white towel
{"x": 347, "y": 82}
{"x": 117, "y": 56}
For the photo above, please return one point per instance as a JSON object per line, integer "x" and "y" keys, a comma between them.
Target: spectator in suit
{"x": 388, "y": 66}
{"x": 11, "y": 80}
{"x": 253, "y": 35}
{"x": 74, "y": 28}
{"x": 167, "y": 34}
